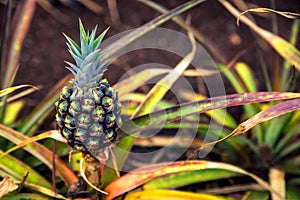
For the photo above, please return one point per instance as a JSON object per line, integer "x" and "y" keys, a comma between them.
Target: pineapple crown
{"x": 88, "y": 69}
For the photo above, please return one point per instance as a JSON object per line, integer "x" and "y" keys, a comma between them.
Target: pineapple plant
{"x": 88, "y": 111}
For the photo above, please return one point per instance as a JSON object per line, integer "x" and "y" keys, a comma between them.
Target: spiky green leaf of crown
{"x": 88, "y": 69}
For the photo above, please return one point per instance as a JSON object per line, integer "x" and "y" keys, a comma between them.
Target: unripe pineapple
{"x": 88, "y": 111}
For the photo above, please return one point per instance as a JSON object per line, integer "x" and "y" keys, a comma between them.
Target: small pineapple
{"x": 88, "y": 111}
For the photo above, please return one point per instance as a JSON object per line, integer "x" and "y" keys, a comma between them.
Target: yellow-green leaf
{"x": 12, "y": 111}
{"x": 172, "y": 194}
{"x": 142, "y": 175}
{"x": 9, "y": 90}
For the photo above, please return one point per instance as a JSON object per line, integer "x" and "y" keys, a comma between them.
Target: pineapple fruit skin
{"x": 89, "y": 118}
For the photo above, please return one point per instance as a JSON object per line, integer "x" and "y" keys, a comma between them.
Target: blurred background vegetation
{"x": 248, "y": 64}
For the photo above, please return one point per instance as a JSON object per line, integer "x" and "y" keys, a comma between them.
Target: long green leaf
{"x": 221, "y": 116}
{"x": 250, "y": 110}
{"x": 142, "y": 175}
{"x": 187, "y": 178}
{"x": 42, "y": 153}
{"x": 165, "y": 84}
{"x": 289, "y": 149}
{"x": 17, "y": 169}
{"x": 136, "y": 80}
{"x": 274, "y": 130}
{"x": 246, "y": 75}
{"x": 265, "y": 115}
{"x": 287, "y": 65}
{"x": 177, "y": 112}
{"x": 283, "y": 142}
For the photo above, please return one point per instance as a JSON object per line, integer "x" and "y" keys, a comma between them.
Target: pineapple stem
{"x": 82, "y": 173}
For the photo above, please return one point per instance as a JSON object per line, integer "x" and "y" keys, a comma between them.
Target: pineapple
{"x": 88, "y": 111}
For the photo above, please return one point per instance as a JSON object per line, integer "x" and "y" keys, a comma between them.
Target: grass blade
{"x": 220, "y": 115}
{"x": 46, "y": 191}
{"x": 250, "y": 110}
{"x": 12, "y": 111}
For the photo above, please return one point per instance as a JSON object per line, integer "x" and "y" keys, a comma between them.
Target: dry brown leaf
{"x": 6, "y": 186}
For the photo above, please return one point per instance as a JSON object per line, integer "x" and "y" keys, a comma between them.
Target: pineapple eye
{"x": 88, "y": 102}
{"x": 63, "y": 106}
{"x": 69, "y": 122}
{"x": 75, "y": 107}
{"x": 98, "y": 113}
{"x": 96, "y": 129}
{"x": 84, "y": 118}
{"x": 80, "y": 134}
{"x": 106, "y": 101}
{"x": 110, "y": 135}
{"x": 67, "y": 134}
{"x": 88, "y": 105}
{"x": 103, "y": 86}
{"x": 59, "y": 120}
{"x": 109, "y": 92}
{"x": 92, "y": 143}
{"x": 110, "y": 118}
{"x": 66, "y": 93}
